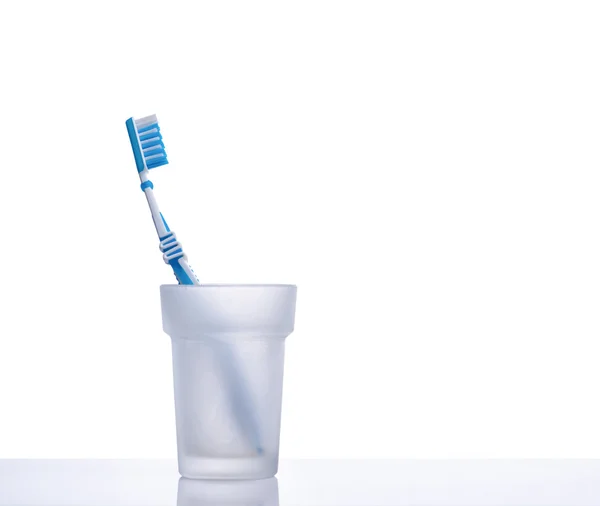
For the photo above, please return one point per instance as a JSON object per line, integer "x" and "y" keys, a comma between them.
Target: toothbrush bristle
{"x": 151, "y": 144}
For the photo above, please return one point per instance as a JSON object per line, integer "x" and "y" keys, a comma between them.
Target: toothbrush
{"x": 149, "y": 153}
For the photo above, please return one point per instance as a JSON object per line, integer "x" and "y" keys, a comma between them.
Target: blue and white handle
{"x": 149, "y": 153}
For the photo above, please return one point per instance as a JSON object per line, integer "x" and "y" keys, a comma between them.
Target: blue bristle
{"x": 157, "y": 162}
{"x": 148, "y": 127}
{"x": 151, "y": 135}
{"x": 151, "y": 144}
{"x": 152, "y": 152}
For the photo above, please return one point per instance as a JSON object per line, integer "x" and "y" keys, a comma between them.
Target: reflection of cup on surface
{"x": 228, "y": 349}
{"x": 228, "y": 492}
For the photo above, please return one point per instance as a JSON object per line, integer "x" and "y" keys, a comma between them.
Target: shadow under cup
{"x": 228, "y": 351}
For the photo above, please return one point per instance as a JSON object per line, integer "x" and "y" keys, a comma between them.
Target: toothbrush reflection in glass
{"x": 149, "y": 152}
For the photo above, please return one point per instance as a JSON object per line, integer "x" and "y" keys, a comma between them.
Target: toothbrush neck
{"x": 159, "y": 222}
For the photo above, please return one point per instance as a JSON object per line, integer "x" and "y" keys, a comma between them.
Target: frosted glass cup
{"x": 228, "y": 348}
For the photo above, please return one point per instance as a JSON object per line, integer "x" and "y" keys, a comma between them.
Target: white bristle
{"x": 152, "y": 157}
{"x": 148, "y": 120}
{"x": 153, "y": 131}
{"x": 153, "y": 139}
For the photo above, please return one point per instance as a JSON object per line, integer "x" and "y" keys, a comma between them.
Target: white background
{"x": 427, "y": 173}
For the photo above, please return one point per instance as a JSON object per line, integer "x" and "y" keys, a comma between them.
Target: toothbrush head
{"x": 146, "y": 142}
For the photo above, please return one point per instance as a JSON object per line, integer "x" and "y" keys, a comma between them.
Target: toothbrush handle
{"x": 174, "y": 256}
{"x": 183, "y": 272}
{"x": 169, "y": 245}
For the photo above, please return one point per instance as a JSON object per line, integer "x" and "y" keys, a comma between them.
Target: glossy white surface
{"x": 305, "y": 482}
